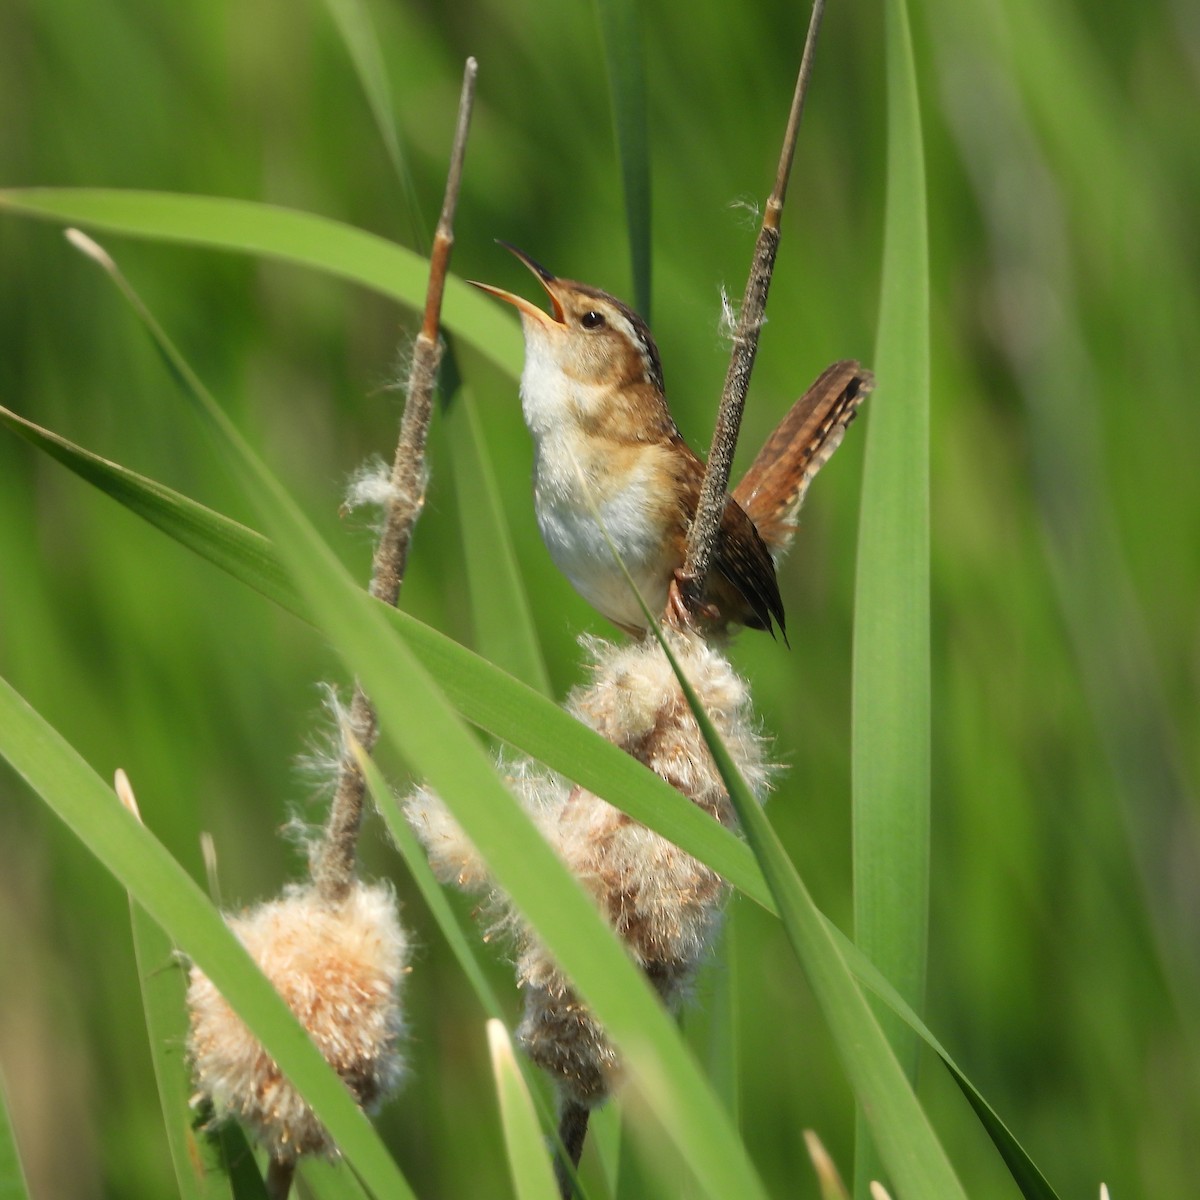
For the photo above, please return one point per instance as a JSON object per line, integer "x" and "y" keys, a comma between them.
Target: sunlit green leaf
{"x": 485, "y": 695}
{"x": 416, "y": 718}
{"x": 891, "y": 717}
{"x": 528, "y": 1162}
{"x": 139, "y": 862}
{"x": 196, "y": 1157}
{"x": 279, "y": 233}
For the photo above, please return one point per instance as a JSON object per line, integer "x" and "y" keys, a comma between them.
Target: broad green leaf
{"x": 12, "y": 1174}
{"x": 431, "y": 891}
{"x": 140, "y": 863}
{"x": 321, "y": 1179}
{"x": 197, "y": 1158}
{"x": 498, "y": 704}
{"x": 241, "y": 1167}
{"x": 419, "y": 722}
{"x": 279, "y": 233}
{"x": 503, "y": 623}
{"x": 1025, "y": 1173}
{"x": 485, "y": 695}
{"x": 528, "y": 1163}
{"x": 907, "y": 1143}
{"x": 891, "y": 686}
{"x": 622, "y": 37}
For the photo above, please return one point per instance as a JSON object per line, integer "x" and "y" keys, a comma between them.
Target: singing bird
{"x": 607, "y": 453}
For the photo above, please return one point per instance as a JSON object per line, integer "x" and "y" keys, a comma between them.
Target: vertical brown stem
{"x": 278, "y": 1182}
{"x": 702, "y": 538}
{"x": 333, "y": 865}
{"x": 572, "y": 1130}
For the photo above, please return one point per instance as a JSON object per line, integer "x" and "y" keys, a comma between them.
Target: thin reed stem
{"x": 279, "y": 1179}
{"x": 333, "y": 867}
{"x": 702, "y": 537}
{"x": 572, "y": 1132}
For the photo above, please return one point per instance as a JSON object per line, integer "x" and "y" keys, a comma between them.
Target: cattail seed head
{"x": 339, "y": 968}
{"x": 665, "y": 905}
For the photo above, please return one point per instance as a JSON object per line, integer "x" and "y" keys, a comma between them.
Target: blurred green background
{"x": 1064, "y": 184}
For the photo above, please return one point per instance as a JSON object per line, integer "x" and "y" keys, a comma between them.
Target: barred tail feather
{"x": 773, "y": 489}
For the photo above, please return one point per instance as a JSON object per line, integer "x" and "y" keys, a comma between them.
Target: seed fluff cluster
{"x": 339, "y": 967}
{"x": 664, "y": 904}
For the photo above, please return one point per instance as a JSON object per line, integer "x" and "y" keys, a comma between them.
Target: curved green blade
{"x": 891, "y": 685}
{"x": 142, "y": 865}
{"x": 280, "y": 233}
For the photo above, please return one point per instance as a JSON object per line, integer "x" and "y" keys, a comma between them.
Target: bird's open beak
{"x": 527, "y": 307}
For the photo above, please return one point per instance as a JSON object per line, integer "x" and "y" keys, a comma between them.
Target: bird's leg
{"x": 679, "y": 613}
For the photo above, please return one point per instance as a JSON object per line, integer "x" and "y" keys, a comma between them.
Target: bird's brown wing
{"x": 742, "y": 584}
{"x": 773, "y": 488}
{"x": 743, "y": 559}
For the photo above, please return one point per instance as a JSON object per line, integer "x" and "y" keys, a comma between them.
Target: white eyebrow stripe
{"x": 624, "y": 325}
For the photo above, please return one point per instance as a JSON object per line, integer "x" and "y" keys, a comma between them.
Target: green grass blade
{"x": 1025, "y": 1172}
{"x": 241, "y": 1167}
{"x": 891, "y": 719}
{"x": 891, "y": 686}
{"x": 622, "y": 37}
{"x": 503, "y": 618}
{"x": 140, "y": 863}
{"x": 239, "y": 551}
{"x": 431, "y": 891}
{"x": 12, "y": 1174}
{"x": 724, "y": 1051}
{"x": 418, "y": 721}
{"x": 485, "y": 695}
{"x": 528, "y": 1162}
{"x": 280, "y": 233}
{"x": 496, "y": 703}
{"x": 604, "y": 1138}
{"x": 505, "y": 632}
{"x": 357, "y": 31}
{"x": 320, "y": 1179}
{"x": 907, "y": 1143}
{"x": 197, "y": 1159}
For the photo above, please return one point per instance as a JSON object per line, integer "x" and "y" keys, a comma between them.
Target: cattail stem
{"x": 333, "y": 866}
{"x": 702, "y": 538}
{"x": 572, "y": 1130}
{"x": 279, "y": 1179}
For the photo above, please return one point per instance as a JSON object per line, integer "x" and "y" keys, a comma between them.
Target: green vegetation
{"x": 1064, "y": 519}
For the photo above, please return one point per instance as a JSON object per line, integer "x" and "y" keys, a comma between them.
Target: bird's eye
{"x": 593, "y": 320}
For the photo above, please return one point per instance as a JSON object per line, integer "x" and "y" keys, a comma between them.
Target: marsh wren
{"x": 606, "y": 447}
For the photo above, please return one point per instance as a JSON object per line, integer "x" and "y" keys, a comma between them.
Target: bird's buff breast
{"x": 574, "y": 497}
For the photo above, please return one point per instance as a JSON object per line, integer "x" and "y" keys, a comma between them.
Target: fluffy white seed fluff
{"x": 340, "y": 969}
{"x": 665, "y": 904}
{"x": 369, "y": 486}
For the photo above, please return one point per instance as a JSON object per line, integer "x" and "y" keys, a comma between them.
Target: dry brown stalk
{"x": 702, "y": 538}
{"x": 333, "y": 866}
